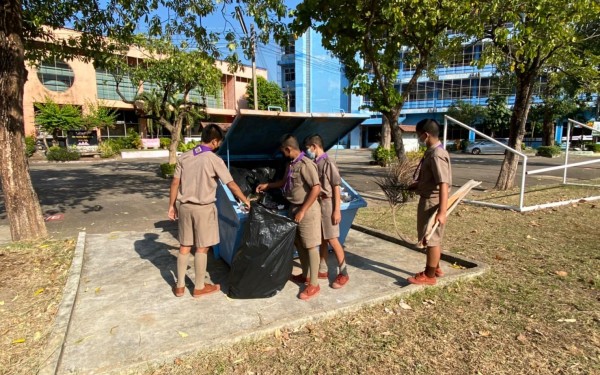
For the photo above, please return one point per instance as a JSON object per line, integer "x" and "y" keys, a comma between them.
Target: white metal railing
{"x": 525, "y": 172}
{"x": 495, "y": 205}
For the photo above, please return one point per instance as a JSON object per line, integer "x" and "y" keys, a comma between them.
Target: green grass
{"x": 536, "y": 312}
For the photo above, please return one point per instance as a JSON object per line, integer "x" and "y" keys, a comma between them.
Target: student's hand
{"x": 173, "y": 214}
{"x": 336, "y": 217}
{"x": 262, "y": 187}
{"x": 441, "y": 217}
{"x": 299, "y": 216}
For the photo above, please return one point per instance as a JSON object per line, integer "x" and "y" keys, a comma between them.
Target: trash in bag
{"x": 249, "y": 179}
{"x": 263, "y": 263}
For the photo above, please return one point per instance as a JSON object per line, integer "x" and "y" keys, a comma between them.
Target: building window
{"x": 289, "y": 49}
{"x": 289, "y": 74}
{"x": 56, "y": 75}
{"x": 107, "y": 86}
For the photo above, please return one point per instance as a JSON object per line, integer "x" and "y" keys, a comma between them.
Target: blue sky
{"x": 221, "y": 20}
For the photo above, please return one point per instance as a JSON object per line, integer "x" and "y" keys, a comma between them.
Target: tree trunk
{"x": 396, "y": 134}
{"x": 386, "y": 133}
{"x": 175, "y": 139}
{"x": 20, "y": 200}
{"x": 508, "y": 171}
{"x": 548, "y": 130}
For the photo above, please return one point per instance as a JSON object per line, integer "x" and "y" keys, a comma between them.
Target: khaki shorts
{"x": 308, "y": 234}
{"x": 329, "y": 230}
{"x": 425, "y": 209}
{"x": 198, "y": 225}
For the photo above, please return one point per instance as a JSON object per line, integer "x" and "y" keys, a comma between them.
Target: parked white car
{"x": 486, "y": 147}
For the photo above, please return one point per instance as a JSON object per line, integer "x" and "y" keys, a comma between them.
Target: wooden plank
{"x": 453, "y": 201}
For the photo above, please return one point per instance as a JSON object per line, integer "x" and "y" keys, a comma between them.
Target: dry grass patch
{"x": 32, "y": 277}
{"x": 536, "y": 312}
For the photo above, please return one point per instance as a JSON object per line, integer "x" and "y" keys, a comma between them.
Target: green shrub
{"x": 57, "y": 153}
{"x": 29, "y": 146}
{"x": 165, "y": 143}
{"x": 167, "y": 170}
{"x": 464, "y": 143}
{"x": 548, "y": 151}
{"x": 383, "y": 156}
{"x": 132, "y": 140}
{"x": 183, "y": 147}
{"x": 415, "y": 155}
{"x": 107, "y": 149}
{"x": 595, "y": 148}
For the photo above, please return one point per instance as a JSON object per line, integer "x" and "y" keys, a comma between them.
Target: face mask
{"x": 310, "y": 154}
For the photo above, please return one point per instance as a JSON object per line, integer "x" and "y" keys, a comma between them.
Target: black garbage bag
{"x": 242, "y": 178}
{"x": 249, "y": 179}
{"x": 263, "y": 263}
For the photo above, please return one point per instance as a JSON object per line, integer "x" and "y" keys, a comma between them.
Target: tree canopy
{"x": 176, "y": 83}
{"x": 269, "y": 94}
{"x": 372, "y": 39}
{"x": 526, "y": 39}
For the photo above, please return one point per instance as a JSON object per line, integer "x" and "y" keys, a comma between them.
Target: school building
{"x": 78, "y": 82}
{"x": 314, "y": 81}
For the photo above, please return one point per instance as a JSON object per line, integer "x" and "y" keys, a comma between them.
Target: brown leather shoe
{"x": 178, "y": 291}
{"x": 340, "y": 281}
{"x": 208, "y": 289}
{"x": 421, "y": 279}
{"x": 309, "y": 292}
{"x": 299, "y": 279}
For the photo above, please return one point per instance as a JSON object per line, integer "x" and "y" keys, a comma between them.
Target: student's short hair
{"x": 430, "y": 126}
{"x": 314, "y": 139}
{"x": 210, "y": 132}
{"x": 290, "y": 141}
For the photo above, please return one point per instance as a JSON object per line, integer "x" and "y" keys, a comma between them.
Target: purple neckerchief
{"x": 323, "y": 156}
{"x": 288, "y": 181}
{"x": 200, "y": 149}
{"x": 418, "y": 170}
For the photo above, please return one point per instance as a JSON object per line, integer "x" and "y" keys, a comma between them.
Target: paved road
{"x": 117, "y": 195}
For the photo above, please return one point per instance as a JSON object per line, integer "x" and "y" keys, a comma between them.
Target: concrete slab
{"x": 125, "y": 314}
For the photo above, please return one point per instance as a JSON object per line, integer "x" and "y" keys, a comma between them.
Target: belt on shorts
{"x": 197, "y": 204}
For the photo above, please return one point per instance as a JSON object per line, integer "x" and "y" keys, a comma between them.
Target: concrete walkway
{"x": 118, "y": 312}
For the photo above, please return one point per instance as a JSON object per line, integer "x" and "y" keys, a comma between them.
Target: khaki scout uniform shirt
{"x": 329, "y": 176}
{"x": 434, "y": 170}
{"x": 199, "y": 174}
{"x": 304, "y": 177}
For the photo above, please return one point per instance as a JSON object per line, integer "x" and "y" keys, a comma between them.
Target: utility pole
{"x": 253, "y": 48}
{"x": 240, "y": 17}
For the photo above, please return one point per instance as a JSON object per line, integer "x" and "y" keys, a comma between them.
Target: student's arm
{"x": 441, "y": 216}
{"x": 310, "y": 199}
{"x": 336, "y": 203}
{"x": 237, "y": 192}
{"x": 270, "y": 185}
{"x": 173, "y": 198}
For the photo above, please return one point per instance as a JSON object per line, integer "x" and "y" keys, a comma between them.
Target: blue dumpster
{"x": 253, "y": 142}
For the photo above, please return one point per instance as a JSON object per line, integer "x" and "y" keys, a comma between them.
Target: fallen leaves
{"x": 38, "y": 292}
{"x": 570, "y": 320}
{"x": 404, "y": 306}
{"x": 182, "y": 334}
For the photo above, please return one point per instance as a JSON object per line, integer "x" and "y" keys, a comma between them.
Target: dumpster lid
{"x": 256, "y": 134}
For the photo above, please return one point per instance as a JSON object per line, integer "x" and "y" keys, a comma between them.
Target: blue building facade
{"x": 312, "y": 80}
{"x": 316, "y": 82}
